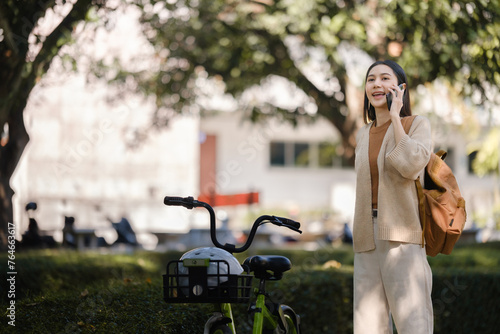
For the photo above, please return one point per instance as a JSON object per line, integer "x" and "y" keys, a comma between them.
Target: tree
{"x": 243, "y": 42}
{"x": 25, "y": 55}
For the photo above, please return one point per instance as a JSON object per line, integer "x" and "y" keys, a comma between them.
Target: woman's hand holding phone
{"x": 390, "y": 95}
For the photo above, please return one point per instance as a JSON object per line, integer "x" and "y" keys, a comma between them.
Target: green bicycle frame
{"x": 263, "y": 316}
{"x": 225, "y": 309}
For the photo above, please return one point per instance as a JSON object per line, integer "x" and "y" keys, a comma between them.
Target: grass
{"x": 60, "y": 291}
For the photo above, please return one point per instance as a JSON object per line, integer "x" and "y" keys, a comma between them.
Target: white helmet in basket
{"x": 213, "y": 253}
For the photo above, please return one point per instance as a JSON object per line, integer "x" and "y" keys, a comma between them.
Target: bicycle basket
{"x": 199, "y": 286}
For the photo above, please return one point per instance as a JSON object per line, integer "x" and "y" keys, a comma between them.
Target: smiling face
{"x": 382, "y": 77}
{"x": 378, "y": 81}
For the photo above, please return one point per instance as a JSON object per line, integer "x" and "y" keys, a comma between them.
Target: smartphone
{"x": 389, "y": 96}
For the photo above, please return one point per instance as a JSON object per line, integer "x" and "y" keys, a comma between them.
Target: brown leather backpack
{"x": 441, "y": 205}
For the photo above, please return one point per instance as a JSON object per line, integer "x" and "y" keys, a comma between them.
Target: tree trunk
{"x": 10, "y": 154}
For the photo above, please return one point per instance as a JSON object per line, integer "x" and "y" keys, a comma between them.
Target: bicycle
{"x": 206, "y": 279}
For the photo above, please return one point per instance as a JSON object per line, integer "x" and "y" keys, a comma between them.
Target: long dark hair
{"x": 368, "y": 110}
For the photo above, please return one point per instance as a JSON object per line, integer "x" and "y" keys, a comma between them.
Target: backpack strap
{"x": 442, "y": 154}
{"x": 407, "y": 122}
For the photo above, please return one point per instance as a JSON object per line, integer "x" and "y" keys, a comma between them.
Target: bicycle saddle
{"x": 270, "y": 267}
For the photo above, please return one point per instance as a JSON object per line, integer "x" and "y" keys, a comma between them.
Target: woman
{"x": 391, "y": 272}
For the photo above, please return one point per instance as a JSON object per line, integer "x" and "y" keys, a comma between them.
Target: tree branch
{"x": 53, "y": 44}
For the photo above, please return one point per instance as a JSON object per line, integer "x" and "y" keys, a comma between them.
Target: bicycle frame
{"x": 263, "y": 317}
{"x": 221, "y": 311}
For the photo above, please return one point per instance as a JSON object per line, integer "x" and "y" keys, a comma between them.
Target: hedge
{"x": 69, "y": 292}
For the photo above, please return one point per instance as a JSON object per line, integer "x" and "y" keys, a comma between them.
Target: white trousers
{"x": 394, "y": 278}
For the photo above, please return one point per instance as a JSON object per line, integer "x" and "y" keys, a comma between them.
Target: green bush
{"x": 466, "y": 301}
{"x": 70, "y": 292}
{"x": 323, "y": 299}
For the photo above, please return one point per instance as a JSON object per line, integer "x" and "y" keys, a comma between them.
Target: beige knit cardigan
{"x": 398, "y": 166}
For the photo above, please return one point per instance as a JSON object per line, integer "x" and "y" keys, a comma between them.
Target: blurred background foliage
{"x": 315, "y": 44}
{"x": 200, "y": 47}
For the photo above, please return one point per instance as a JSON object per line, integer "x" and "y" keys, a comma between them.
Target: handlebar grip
{"x": 187, "y": 202}
{"x": 291, "y": 224}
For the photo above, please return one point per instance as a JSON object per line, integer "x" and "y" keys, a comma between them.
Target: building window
{"x": 289, "y": 154}
{"x": 302, "y": 154}
{"x": 450, "y": 158}
{"x": 277, "y": 154}
{"x": 326, "y": 154}
{"x": 484, "y": 167}
{"x": 472, "y": 157}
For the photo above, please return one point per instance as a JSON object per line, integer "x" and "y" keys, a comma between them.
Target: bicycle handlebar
{"x": 190, "y": 203}
{"x": 187, "y": 202}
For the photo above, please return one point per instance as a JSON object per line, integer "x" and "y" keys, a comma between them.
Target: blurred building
{"x": 99, "y": 160}
{"x": 85, "y": 159}
{"x": 93, "y": 161}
